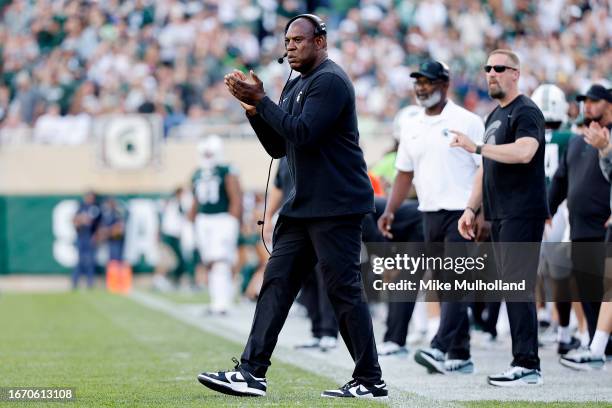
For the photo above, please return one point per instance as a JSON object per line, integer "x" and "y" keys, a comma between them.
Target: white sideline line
{"x": 322, "y": 366}
{"x": 405, "y": 377}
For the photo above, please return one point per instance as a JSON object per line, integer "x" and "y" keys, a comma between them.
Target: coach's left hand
{"x": 250, "y": 92}
{"x": 462, "y": 140}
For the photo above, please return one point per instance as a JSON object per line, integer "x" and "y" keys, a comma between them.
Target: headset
{"x": 320, "y": 28}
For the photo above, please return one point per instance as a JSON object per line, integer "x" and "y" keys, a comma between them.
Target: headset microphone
{"x": 282, "y": 59}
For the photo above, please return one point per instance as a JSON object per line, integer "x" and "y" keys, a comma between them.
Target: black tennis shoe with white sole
{"x": 238, "y": 382}
{"x": 432, "y": 359}
{"x": 517, "y": 377}
{"x": 354, "y": 389}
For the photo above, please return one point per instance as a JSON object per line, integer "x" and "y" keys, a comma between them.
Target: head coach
{"x": 315, "y": 127}
{"x": 511, "y": 187}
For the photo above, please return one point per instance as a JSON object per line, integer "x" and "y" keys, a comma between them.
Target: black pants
{"x": 320, "y": 310}
{"x": 407, "y": 227}
{"x": 485, "y": 315}
{"x": 453, "y": 333}
{"x": 588, "y": 263}
{"x": 298, "y": 244}
{"x": 522, "y": 315}
{"x": 453, "y": 336}
{"x": 398, "y": 319}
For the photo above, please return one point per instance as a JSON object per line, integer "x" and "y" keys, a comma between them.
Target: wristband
{"x": 472, "y": 210}
{"x": 478, "y": 149}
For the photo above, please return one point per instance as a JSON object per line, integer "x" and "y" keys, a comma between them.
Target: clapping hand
{"x": 597, "y": 136}
{"x": 248, "y": 90}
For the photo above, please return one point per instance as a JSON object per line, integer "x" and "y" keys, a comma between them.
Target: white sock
{"x": 419, "y": 317}
{"x": 544, "y": 314}
{"x": 564, "y": 334}
{"x": 220, "y": 286}
{"x": 432, "y": 326}
{"x": 599, "y": 343}
{"x": 584, "y": 338}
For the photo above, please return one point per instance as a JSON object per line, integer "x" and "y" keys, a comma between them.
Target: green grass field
{"x": 114, "y": 352}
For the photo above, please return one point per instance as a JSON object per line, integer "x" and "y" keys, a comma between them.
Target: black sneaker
{"x": 238, "y": 382}
{"x": 432, "y": 359}
{"x": 565, "y": 348}
{"x": 354, "y": 389}
{"x": 516, "y": 377}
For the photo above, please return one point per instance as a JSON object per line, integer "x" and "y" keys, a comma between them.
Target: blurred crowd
{"x": 63, "y": 62}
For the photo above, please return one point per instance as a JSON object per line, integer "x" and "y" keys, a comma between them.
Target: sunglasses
{"x": 498, "y": 68}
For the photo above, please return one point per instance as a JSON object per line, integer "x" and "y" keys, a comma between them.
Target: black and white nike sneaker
{"x": 432, "y": 359}
{"x": 390, "y": 348}
{"x": 354, "y": 389}
{"x": 238, "y": 382}
{"x": 583, "y": 360}
{"x": 457, "y": 366}
{"x": 517, "y": 377}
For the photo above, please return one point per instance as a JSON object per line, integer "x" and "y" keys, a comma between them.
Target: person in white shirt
{"x": 443, "y": 177}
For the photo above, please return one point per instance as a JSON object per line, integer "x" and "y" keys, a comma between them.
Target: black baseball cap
{"x": 596, "y": 92}
{"x": 432, "y": 70}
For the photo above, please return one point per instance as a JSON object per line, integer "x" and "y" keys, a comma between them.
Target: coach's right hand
{"x": 250, "y": 109}
{"x": 466, "y": 224}
{"x": 384, "y": 224}
{"x": 249, "y": 91}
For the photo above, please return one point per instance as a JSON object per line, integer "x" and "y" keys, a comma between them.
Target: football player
{"x": 216, "y": 212}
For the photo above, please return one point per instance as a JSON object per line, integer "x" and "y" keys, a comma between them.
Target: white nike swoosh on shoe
{"x": 240, "y": 387}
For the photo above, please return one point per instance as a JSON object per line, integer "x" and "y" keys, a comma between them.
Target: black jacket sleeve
{"x": 270, "y": 140}
{"x": 324, "y": 101}
{"x": 558, "y": 186}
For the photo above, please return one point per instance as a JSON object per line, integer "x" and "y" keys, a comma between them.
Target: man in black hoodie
{"x": 315, "y": 127}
